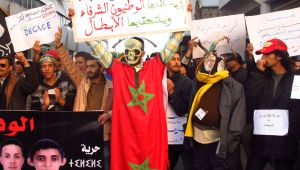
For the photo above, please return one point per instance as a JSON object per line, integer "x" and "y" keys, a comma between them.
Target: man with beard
{"x": 275, "y": 112}
{"x": 179, "y": 90}
{"x": 94, "y": 92}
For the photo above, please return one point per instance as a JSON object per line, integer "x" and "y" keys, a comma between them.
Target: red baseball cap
{"x": 53, "y": 53}
{"x": 272, "y": 45}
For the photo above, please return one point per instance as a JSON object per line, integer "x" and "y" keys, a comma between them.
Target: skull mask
{"x": 133, "y": 51}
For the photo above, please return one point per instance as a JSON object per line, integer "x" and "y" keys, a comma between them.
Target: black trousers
{"x": 176, "y": 151}
{"x": 205, "y": 158}
{"x": 258, "y": 162}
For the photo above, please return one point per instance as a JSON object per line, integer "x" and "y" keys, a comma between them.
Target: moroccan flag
{"x": 139, "y": 129}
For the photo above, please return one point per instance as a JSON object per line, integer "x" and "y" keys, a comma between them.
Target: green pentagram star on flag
{"x": 143, "y": 166}
{"x": 140, "y": 97}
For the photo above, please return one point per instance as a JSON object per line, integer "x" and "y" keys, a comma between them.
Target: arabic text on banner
{"x": 212, "y": 29}
{"x": 79, "y": 134}
{"x": 110, "y": 18}
{"x": 284, "y": 25}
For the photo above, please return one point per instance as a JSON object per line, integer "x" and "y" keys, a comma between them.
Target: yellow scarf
{"x": 210, "y": 80}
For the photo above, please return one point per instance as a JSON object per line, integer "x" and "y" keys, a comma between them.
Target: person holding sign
{"x": 139, "y": 129}
{"x": 179, "y": 93}
{"x": 276, "y": 115}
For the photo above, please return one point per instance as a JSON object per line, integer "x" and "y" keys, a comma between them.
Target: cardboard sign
{"x": 283, "y": 25}
{"x": 296, "y": 88}
{"x": 107, "y": 19}
{"x": 271, "y": 122}
{"x": 175, "y": 127}
{"x": 212, "y": 29}
{"x": 35, "y": 24}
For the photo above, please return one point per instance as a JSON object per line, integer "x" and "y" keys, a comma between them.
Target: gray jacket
{"x": 232, "y": 108}
{"x": 233, "y": 115}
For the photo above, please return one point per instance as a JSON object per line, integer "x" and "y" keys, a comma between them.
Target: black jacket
{"x": 180, "y": 99}
{"x": 24, "y": 86}
{"x": 259, "y": 94}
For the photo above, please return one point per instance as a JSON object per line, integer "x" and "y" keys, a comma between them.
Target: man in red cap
{"x": 276, "y": 117}
{"x": 55, "y": 92}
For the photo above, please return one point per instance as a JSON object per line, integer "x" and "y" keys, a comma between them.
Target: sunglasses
{"x": 3, "y": 65}
{"x": 136, "y": 52}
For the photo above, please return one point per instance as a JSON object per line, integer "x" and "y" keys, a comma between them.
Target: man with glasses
{"x": 14, "y": 90}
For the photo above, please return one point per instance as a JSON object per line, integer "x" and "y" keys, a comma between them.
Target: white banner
{"x": 271, "y": 122}
{"x": 284, "y": 25}
{"x": 212, "y": 29}
{"x": 175, "y": 127}
{"x": 107, "y": 19}
{"x": 295, "y": 94}
{"x": 36, "y": 24}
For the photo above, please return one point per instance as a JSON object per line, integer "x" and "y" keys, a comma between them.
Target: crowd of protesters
{"x": 55, "y": 81}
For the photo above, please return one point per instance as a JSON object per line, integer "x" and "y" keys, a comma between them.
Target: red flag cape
{"x": 139, "y": 128}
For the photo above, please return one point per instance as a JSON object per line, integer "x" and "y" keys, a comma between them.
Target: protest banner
{"x": 212, "y": 29}
{"x": 271, "y": 122}
{"x": 6, "y": 47}
{"x": 79, "y": 134}
{"x": 284, "y": 25}
{"x": 35, "y": 24}
{"x": 107, "y": 19}
{"x": 175, "y": 127}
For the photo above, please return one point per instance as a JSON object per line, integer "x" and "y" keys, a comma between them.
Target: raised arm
{"x": 73, "y": 71}
{"x": 99, "y": 50}
{"x": 213, "y": 46}
{"x": 101, "y": 53}
{"x": 171, "y": 46}
{"x": 173, "y": 42}
{"x": 30, "y": 82}
{"x": 203, "y": 48}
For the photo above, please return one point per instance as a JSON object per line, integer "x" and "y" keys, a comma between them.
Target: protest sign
{"x": 35, "y": 24}
{"x": 6, "y": 47}
{"x": 271, "y": 122}
{"x": 295, "y": 94}
{"x": 175, "y": 127}
{"x": 79, "y": 134}
{"x": 284, "y": 25}
{"x": 212, "y": 29}
{"x": 114, "y": 19}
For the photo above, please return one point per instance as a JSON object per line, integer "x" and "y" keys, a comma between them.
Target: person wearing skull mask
{"x": 217, "y": 114}
{"x": 139, "y": 129}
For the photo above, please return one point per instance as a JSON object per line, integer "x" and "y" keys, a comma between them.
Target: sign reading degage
{"x": 111, "y": 18}
{"x": 36, "y": 24}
